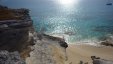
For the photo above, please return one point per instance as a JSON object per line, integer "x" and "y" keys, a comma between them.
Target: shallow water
{"x": 81, "y": 20}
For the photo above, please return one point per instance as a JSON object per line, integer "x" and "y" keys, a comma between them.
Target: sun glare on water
{"x": 67, "y": 2}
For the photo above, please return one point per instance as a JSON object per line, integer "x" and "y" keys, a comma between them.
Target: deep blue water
{"x": 87, "y": 19}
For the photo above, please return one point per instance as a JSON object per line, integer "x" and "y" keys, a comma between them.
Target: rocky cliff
{"x": 17, "y": 34}
{"x": 48, "y": 50}
{"x": 10, "y": 58}
{"x": 15, "y": 25}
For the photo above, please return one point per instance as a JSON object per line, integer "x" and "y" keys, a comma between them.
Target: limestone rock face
{"x": 17, "y": 34}
{"x": 14, "y": 33}
{"x": 13, "y": 39}
{"x": 15, "y": 26}
{"x": 10, "y": 58}
{"x": 48, "y": 50}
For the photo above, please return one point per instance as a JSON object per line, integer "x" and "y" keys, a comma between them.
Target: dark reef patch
{"x": 104, "y": 29}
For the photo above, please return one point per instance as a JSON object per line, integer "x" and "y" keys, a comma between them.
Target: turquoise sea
{"x": 76, "y": 20}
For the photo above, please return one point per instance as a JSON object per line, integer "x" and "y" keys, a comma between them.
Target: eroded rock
{"x": 48, "y": 50}
{"x": 10, "y": 58}
{"x": 97, "y": 60}
{"x": 108, "y": 41}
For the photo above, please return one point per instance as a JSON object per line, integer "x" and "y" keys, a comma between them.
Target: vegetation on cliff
{"x": 13, "y": 14}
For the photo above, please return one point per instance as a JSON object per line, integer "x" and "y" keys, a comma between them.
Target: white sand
{"x": 84, "y": 52}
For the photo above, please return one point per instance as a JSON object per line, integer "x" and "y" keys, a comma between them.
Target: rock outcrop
{"x": 10, "y": 58}
{"x": 108, "y": 41}
{"x": 61, "y": 40}
{"x": 15, "y": 25}
{"x": 17, "y": 34}
{"x": 48, "y": 50}
{"x": 97, "y": 60}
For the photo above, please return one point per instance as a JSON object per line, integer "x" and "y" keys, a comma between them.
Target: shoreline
{"x": 83, "y": 50}
{"x": 77, "y": 53}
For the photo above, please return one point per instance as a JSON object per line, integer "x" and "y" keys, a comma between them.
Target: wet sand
{"x": 77, "y": 53}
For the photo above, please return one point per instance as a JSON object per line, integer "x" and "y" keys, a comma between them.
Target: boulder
{"x": 63, "y": 44}
{"x": 108, "y": 41}
{"x": 97, "y": 60}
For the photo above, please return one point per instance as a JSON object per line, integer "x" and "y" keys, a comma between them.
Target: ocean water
{"x": 80, "y": 20}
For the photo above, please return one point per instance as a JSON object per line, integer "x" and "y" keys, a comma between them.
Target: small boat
{"x": 109, "y": 4}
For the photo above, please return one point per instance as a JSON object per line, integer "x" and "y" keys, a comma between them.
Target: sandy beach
{"x": 77, "y": 53}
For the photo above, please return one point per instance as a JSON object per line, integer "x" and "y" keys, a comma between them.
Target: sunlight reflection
{"x": 68, "y": 2}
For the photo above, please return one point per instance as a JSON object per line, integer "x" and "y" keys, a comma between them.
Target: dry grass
{"x": 7, "y": 14}
{"x": 25, "y": 53}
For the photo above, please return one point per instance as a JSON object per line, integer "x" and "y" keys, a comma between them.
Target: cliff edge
{"x": 17, "y": 34}
{"x": 15, "y": 25}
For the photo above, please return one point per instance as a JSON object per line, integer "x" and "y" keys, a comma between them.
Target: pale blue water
{"x": 87, "y": 19}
